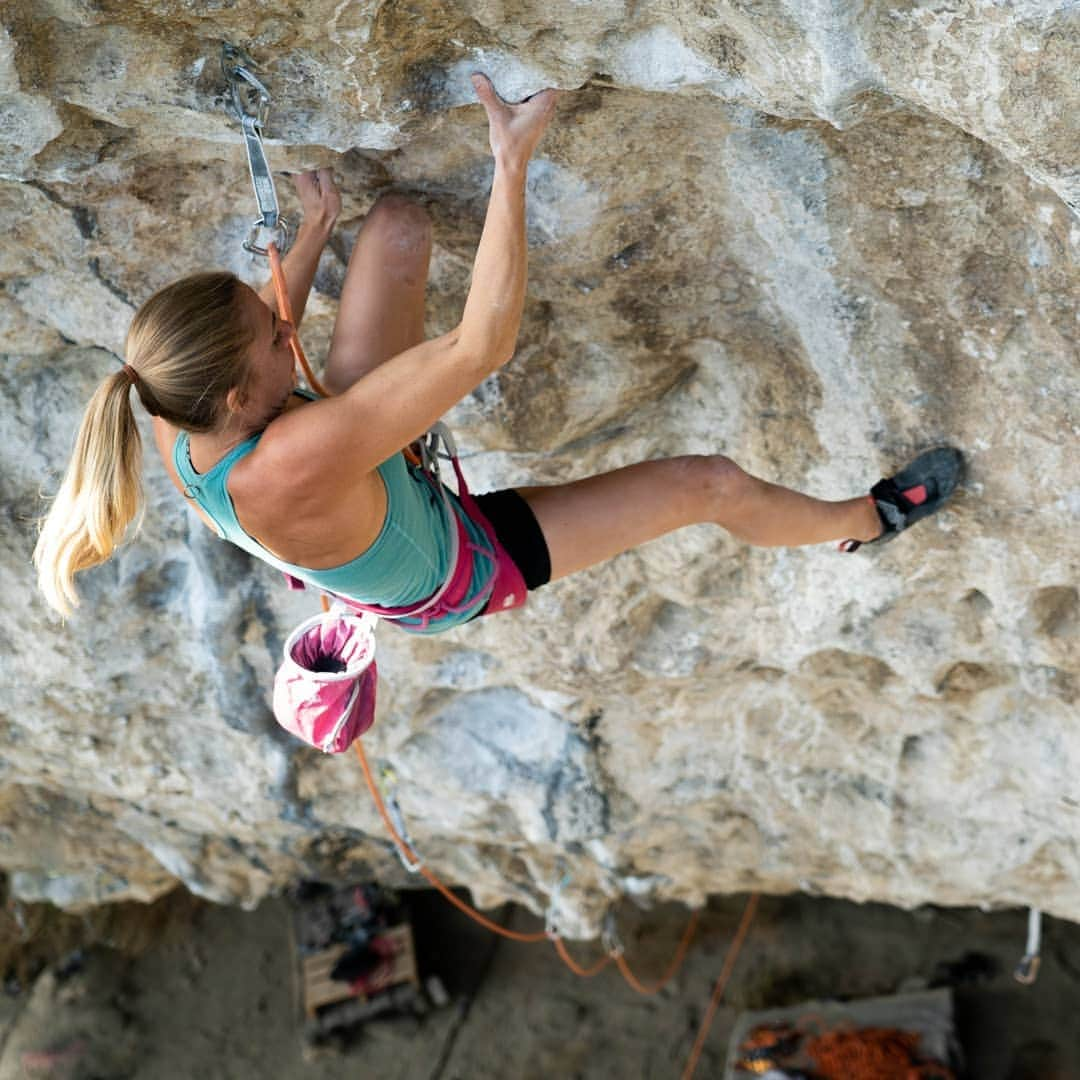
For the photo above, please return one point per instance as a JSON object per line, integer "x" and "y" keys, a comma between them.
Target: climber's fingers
{"x": 319, "y": 195}
{"x": 514, "y": 130}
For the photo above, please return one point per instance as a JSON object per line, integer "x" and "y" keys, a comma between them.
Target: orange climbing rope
{"x": 624, "y": 967}
{"x": 411, "y": 856}
{"x": 721, "y": 983}
{"x": 560, "y": 947}
{"x": 676, "y": 963}
{"x": 574, "y": 966}
{"x": 281, "y": 293}
{"x": 285, "y": 312}
{"x": 872, "y": 1054}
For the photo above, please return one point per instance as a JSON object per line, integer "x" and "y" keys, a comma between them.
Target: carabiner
{"x": 437, "y": 435}
{"x": 236, "y": 65}
{"x": 1027, "y": 971}
{"x": 389, "y": 779}
{"x": 251, "y": 100}
{"x": 551, "y": 927}
{"x": 280, "y": 236}
{"x": 609, "y": 936}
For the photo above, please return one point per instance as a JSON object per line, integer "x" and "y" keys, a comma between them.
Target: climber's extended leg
{"x": 382, "y": 300}
{"x": 588, "y": 521}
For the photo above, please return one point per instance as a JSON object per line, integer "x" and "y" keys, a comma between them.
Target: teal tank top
{"x": 407, "y": 562}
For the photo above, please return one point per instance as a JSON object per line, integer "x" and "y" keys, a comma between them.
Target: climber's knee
{"x": 401, "y": 230}
{"x": 721, "y": 481}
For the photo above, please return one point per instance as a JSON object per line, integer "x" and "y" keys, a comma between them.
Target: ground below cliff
{"x": 189, "y": 989}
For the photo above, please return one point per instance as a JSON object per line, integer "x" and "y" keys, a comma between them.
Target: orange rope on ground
{"x": 872, "y": 1054}
{"x": 285, "y": 312}
{"x": 721, "y": 983}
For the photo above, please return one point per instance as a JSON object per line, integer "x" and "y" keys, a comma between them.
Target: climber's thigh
{"x": 588, "y": 521}
{"x": 382, "y": 299}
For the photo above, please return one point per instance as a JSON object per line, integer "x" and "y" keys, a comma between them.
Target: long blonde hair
{"x": 186, "y": 348}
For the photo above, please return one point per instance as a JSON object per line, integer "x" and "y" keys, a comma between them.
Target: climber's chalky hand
{"x": 514, "y": 130}
{"x": 319, "y": 196}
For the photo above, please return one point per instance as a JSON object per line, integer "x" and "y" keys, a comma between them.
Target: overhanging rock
{"x": 811, "y": 237}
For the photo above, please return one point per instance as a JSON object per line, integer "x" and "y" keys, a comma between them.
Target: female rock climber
{"x": 320, "y": 488}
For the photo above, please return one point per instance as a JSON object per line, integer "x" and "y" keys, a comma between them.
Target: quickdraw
{"x": 1027, "y": 971}
{"x": 251, "y": 101}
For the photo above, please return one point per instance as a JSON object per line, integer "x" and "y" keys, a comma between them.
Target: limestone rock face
{"x": 817, "y": 237}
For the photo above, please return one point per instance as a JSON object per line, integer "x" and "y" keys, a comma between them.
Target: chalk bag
{"x": 324, "y": 691}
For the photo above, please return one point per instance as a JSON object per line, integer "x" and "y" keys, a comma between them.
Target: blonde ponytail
{"x": 186, "y": 348}
{"x": 100, "y": 496}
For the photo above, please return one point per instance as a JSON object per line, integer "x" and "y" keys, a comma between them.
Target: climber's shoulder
{"x": 165, "y": 435}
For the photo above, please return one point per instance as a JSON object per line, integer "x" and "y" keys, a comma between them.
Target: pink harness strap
{"x": 508, "y": 588}
{"x": 505, "y": 590}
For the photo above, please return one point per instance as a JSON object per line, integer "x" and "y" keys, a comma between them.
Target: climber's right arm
{"x": 395, "y": 403}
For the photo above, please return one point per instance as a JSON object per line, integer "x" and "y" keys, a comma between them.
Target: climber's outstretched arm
{"x": 321, "y": 204}
{"x": 489, "y": 326}
{"x": 396, "y": 402}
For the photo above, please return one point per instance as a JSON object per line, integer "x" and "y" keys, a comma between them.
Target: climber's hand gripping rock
{"x": 319, "y": 196}
{"x": 514, "y": 130}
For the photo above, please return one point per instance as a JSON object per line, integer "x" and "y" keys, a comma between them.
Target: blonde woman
{"x": 320, "y": 488}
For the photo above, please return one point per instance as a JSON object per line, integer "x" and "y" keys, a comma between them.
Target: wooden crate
{"x": 321, "y": 991}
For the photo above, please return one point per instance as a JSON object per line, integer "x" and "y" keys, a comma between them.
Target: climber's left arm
{"x": 321, "y": 204}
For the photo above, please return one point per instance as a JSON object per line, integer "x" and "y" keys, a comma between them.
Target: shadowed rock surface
{"x": 815, "y": 237}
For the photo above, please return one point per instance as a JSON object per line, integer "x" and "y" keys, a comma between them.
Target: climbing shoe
{"x": 913, "y": 493}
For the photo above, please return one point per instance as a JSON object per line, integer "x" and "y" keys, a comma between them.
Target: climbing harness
{"x": 505, "y": 588}
{"x": 324, "y": 691}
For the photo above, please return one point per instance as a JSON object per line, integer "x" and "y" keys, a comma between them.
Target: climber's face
{"x": 271, "y": 374}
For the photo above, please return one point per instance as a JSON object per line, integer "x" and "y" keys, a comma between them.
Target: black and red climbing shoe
{"x": 915, "y": 492}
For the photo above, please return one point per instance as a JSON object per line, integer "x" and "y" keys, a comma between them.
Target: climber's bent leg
{"x": 382, "y": 299}
{"x": 590, "y": 520}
